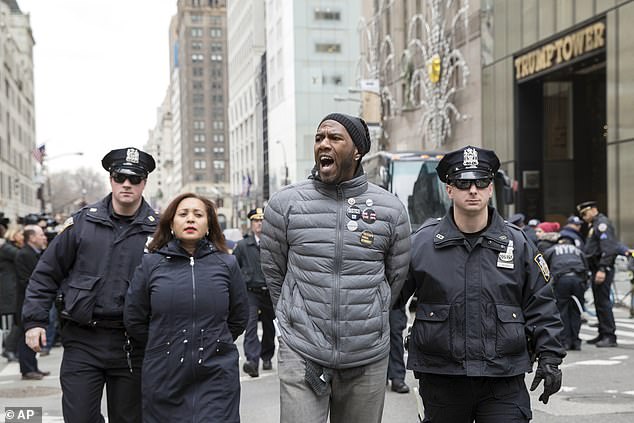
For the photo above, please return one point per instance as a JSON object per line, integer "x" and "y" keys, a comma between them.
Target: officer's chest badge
{"x": 505, "y": 259}
{"x": 543, "y": 266}
{"x": 132, "y": 155}
{"x": 470, "y": 158}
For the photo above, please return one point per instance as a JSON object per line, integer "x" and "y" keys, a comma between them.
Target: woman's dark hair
{"x": 163, "y": 233}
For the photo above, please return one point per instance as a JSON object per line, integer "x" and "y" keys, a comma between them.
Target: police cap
{"x": 129, "y": 161}
{"x": 256, "y": 214}
{"x": 574, "y": 220}
{"x": 586, "y": 205}
{"x": 468, "y": 163}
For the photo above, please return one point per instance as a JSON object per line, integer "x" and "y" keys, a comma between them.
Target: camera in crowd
{"x": 45, "y": 221}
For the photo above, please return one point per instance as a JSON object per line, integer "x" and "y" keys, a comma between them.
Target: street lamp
{"x": 286, "y": 181}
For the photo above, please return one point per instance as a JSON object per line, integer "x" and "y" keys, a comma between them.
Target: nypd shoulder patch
{"x": 67, "y": 224}
{"x": 543, "y": 266}
{"x": 602, "y": 227}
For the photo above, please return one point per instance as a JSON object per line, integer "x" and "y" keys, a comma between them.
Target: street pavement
{"x": 598, "y": 385}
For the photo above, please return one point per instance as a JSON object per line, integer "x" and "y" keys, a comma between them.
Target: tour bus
{"x": 411, "y": 176}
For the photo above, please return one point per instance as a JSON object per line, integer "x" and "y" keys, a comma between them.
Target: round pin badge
{"x": 351, "y": 201}
{"x": 367, "y": 238}
{"x": 368, "y": 216}
{"x": 352, "y": 225}
{"x": 353, "y": 213}
{"x": 369, "y": 202}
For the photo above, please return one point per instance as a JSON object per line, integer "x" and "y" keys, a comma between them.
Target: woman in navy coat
{"x": 188, "y": 303}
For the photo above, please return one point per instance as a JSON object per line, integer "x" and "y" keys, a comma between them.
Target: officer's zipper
{"x": 337, "y": 279}
{"x": 193, "y": 350}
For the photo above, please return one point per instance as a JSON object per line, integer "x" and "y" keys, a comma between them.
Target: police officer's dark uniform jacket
{"x": 193, "y": 308}
{"x": 602, "y": 246}
{"x": 247, "y": 253}
{"x": 80, "y": 261}
{"x": 476, "y": 305}
{"x": 566, "y": 259}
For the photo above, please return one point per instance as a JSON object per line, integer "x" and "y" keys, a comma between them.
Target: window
{"x": 219, "y": 138}
{"x": 198, "y": 98}
{"x": 197, "y": 71}
{"x": 197, "y": 32}
{"x": 197, "y": 17}
{"x": 199, "y": 124}
{"x": 199, "y": 137}
{"x": 219, "y": 150}
{"x": 327, "y": 48}
{"x": 215, "y": 32}
{"x": 199, "y": 111}
{"x": 197, "y": 57}
{"x": 197, "y": 45}
{"x": 218, "y": 124}
{"x": 197, "y": 85}
{"x": 216, "y": 98}
{"x": 327, "y": 15}
{"x": 199, "y": 150}
{"x": 200, "y": 164}
{"x": 219, "y": 164}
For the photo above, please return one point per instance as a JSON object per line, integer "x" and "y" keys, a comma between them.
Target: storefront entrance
{"x": 561, "y": 139}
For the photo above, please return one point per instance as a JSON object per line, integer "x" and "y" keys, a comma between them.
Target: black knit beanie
{"x": 356, "y": 127}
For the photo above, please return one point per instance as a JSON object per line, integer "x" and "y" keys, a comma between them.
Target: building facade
{"x": 161, "y": 186}
{"x": 18, "y": 184}
{"x": 246, "y": 43}
{"x": 198, "y": 66}
{"x": 558, "y": 104}
{"x": 312, "y": 51}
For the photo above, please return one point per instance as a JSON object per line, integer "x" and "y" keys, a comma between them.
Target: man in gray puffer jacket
{"x": 335, "y": 251}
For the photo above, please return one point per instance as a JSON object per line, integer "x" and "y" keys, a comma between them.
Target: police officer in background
{"x": 601, "y": 249}
{"x": 247, "y": 253}
{"x": 92, "y": 260}
{"x": 569, "y": 269}
{"x": 482, "y": 287}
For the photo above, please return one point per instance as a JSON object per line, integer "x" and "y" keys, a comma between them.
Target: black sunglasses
{"x": 121, "y": 177}
{"x": 463, "y": 184}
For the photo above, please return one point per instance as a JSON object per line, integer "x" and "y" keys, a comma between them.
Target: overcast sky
{"x": 101, "y": 72}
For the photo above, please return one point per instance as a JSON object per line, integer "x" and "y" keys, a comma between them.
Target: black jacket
{"x": 93, "y": 262}
{"x": 566, "y": 258}
{"x": 8, "y": 288}
{"x": 247, "y": 253}
{"x": 189, "y": 310}
{"x": 602, "y": 247}
{"x": 25, "y": 261}
{"x": 477, "y": 305}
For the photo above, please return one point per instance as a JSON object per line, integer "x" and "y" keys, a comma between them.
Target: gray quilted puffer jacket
{"x": 333, "y": 257}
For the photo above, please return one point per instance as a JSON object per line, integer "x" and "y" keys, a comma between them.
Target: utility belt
{"x": 258, "y": 289}
{"x": 94, "y": 323}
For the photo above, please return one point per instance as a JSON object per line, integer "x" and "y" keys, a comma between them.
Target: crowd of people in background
{"x": 151, "y": 306}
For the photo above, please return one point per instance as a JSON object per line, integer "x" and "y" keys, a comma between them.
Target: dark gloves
{"x": 548, "y": 371}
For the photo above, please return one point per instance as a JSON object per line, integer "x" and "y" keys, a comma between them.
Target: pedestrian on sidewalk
{"x": 335, "y": 250}
{"x": 247, "y": 253}
{"x": 25, "y": 261}
{"x": 482, "y": 287}
{"x": 92, "y": 260}
{"x": 13, "y": 241}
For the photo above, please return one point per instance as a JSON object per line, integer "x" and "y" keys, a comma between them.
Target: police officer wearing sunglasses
{"x": 91, "y": 262}
{"x": 485, "y": 308}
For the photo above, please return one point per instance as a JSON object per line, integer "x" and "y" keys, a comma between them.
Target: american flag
{"x": 39, "y": 153}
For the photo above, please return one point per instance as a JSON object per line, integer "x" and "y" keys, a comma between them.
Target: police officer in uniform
{"x": 601, "y": 249}
{"x": 247, "y": 253}
{"x": 482, "y": 287}
{"x": 92, "y": 260}
{"x": 569, "y": 269}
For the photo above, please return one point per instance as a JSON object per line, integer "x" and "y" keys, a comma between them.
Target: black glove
{"x": 548, "y": 371}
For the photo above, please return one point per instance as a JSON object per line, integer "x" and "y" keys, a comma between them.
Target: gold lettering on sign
{"x": 560, "y": 50}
